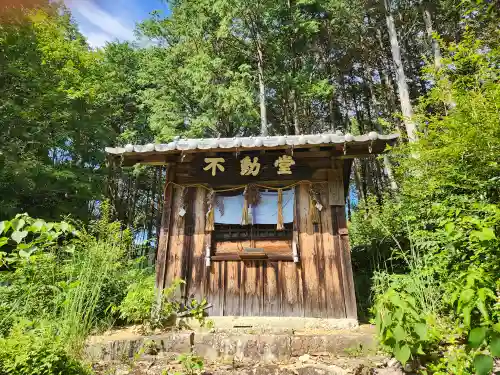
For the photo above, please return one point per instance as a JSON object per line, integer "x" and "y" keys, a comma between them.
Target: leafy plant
{"x": 197, "y": 310}
{"x": 473, "y": 299}
{"x": 402, "y": 327}
{"x": 192, "y": 364}
{"x": 137, "y": 304}
{"x": 140, "y": 300}
{"x": 455, "y": 359}
{"x": 436, "y": 247}
{"x": 23, "y": 236}
{"x": 487, "y": 339}
{"x": 36, "y": 349}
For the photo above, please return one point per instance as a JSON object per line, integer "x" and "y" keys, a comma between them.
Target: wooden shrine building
{"x": 257, "y": 225}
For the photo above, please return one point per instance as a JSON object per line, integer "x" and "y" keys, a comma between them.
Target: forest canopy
{"x": 210, "y": 68}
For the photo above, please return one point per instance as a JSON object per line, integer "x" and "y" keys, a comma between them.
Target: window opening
{"x": 264, "y": 216}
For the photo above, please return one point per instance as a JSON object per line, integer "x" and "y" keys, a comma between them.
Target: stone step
{"x": 267, "y": 345}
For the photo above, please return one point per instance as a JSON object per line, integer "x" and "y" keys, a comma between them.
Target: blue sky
{"x": 103, "y": 21}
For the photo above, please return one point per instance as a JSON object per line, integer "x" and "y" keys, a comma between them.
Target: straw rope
{"x": 241, "y": 187}
{"x": 280, "y": 223}
{"x": 209, "y": 225}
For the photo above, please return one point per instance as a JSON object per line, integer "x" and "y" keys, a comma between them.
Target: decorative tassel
{"x": 210, "y": 219}
{"x": 245, "y": 220}
{"x": 280, "y": 225}
{"x": 313, "y": 210}
{"x": 209, "y": 223}
{"x": 210, "y": 216}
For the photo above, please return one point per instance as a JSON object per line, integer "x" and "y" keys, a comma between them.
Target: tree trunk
{"x": 378, "y": 128}
{"x": 295, "y": 110}
{"x": 262, "y": 91}
{"x": 357, "y": 112}
{"x": 357, "y": 181}
{"x": 434, "y": 43}
{"x": 385, "y": 75}
{"x": 286, "y": 115}
{"x": 404, "y": 95}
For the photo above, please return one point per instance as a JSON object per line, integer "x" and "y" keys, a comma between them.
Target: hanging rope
{"x": 251, "y": 196}
{"x": 240, "y": 187}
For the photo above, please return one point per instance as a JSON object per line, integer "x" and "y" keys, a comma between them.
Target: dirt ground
{"x": 303, "y": 365}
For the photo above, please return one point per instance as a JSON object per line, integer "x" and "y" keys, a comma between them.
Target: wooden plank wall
{"x": 319, "y": 286}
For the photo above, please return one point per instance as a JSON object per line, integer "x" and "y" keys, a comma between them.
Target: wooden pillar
{"x": 162, "y": 250}
{"x": 337, "y": 206}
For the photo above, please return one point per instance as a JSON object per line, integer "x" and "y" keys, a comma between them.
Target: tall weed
{"x": 406, "y": 306}
{"x": 102, "y": 254}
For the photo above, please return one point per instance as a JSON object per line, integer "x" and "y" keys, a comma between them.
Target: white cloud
{"x": 98, "y": 25}
{"x": 97, "y": 39}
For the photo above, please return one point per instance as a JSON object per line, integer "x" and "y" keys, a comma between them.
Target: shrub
{"x": 137, "y": 305}
{"x": 192, "y": 364}
{"x": 36, "y": 350}
{"x": 57, "y": 273}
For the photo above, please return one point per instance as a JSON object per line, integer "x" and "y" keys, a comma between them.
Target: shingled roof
{"x": 374, "y": 142}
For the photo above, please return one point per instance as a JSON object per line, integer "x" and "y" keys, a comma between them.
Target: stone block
{"x": 334, "y": 344}
{"x": 174, "y": 342}
{"x": 267, "y": 348}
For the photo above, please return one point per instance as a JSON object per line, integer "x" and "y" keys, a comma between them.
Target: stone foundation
{"x": 243, "y": 351}
{"x": 266, "y": 345}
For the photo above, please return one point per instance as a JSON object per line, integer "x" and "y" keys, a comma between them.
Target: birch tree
{"x": 404, "y": 94}
{"x": 430, "y": 33}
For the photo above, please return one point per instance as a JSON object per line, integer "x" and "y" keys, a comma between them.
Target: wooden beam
{"x": 336, "y": 184}
{"x": 162, "y": 250}
{"x": 236, "y": 257}
{"x": 345, "y": 258}
{"x": 295, "y": 234}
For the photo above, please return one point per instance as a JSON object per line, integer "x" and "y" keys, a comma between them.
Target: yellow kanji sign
{"x": 283, "y": 163}
{"x": 214, "y": 164}
{"x": 249, "y": 167}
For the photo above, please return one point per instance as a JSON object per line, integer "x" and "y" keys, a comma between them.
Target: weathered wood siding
{"x": 319, "y": 286}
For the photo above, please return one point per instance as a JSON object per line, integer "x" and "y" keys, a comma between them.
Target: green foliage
{"x": 62, "y": 104}
{"x": 72, "y": 280}
{"x": 197, "y": 310}
{"x": 90, "y": 279}
{"x": 137, "y": 305}
{"x": 473, "y": 297}
{"x": 24, "y": 236}
{"x": 141, "y": 300}
{"x": 401, "y": 326}
{"x": 192, "y": 364}
{"x": 440, "y": 237}
{"x": 36, "y": 349}
{"x": 406, "y": 310}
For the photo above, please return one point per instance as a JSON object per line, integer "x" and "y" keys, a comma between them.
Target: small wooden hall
{"x": 257, "y": 225}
